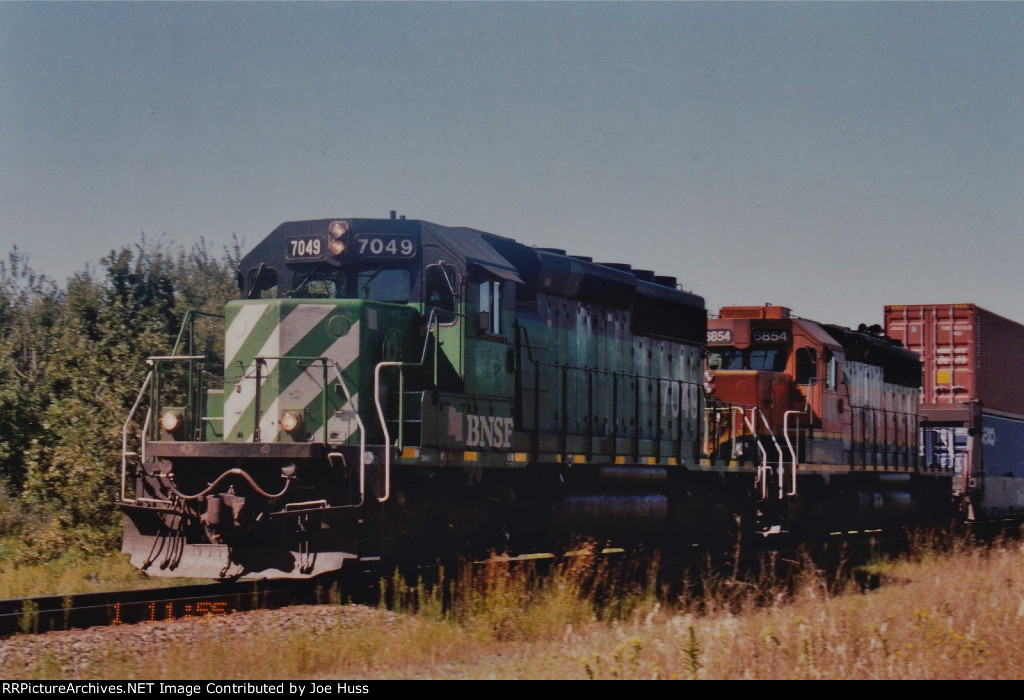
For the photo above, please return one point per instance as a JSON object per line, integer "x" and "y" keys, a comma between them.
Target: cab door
{"x": 443, "y": 312}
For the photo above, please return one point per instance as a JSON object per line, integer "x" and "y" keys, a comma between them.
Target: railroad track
{"x": 64, "y": 612}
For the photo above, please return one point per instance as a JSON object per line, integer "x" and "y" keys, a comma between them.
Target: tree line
{"x": 72, "y": 360}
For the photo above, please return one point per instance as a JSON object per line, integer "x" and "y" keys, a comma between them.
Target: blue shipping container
{"x": 1002, "y": 446}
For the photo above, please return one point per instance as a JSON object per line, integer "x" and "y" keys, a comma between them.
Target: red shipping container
{"x": 969, "y": 354}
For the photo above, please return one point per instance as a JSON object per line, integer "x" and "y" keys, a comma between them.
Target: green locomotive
{"x": 398, "y": 390}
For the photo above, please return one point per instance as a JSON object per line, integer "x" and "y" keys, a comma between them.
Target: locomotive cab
{"x": 780, "y": 376}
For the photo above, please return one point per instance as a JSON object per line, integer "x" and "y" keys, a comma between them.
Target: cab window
{"x": 759, "y": 359}
{"x": 725, "y": 359}
{"x": 318, "y": 283}
{"x": 490, "y": 306}
{"x": 767, "y": 359}
{"x": 806, "y": 366}
{"x": 261, "y": 282}
{"x": 392, "y": 285}
{"x": 831, "y": 371}
{"x": 385, "y": 284}
{"x": 440, "y": 292}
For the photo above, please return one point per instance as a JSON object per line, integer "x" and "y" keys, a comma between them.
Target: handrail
{"x": 151, "y": 362}
{"x": 763, "y": 468}
{"x": 163, "y": 358}
{"x": 789, "y": 443}
{"x": 145, "y": 430}
{"x": 431, "y": 320}
{"x": 193, "y": 400}
{"x": 193, "y": 313}
{"x": 324, "y": 361}
{"x": 733, "y": 411}
{"x": 434, "y": 329}
{"x": 124, "y": 435}
{"x": 183, "y": 331}
{"x": 384, "y": 424}
{"x": 362, "y": 435}
{"x": 741, "y": 413}
{"x": 778, "y": 451}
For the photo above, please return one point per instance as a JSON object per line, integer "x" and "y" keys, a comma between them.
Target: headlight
{"x": 171, "y": 421}
{"x": 335, "y": 233}
{"x": 291, "y": 421}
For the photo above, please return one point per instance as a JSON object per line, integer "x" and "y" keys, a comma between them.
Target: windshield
{"x": 763, "y": 359}
{"x": 393, "y": 285}
{"x": 384, "y": 285}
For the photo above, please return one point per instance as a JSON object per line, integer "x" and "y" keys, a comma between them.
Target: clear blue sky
{"x": 831, "y": 157}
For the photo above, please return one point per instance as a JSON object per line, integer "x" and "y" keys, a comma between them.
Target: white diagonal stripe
{"x": 297, "y": 324}
{"x": 245, "y": 391}
{"x": 286, "y": 334}
{"x": 308, "y": 385}
{"x": 241, "y": 326}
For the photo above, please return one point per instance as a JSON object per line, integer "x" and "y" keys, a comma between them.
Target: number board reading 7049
{"x": 304, "y": 248}
{"x": 371, "y": 245}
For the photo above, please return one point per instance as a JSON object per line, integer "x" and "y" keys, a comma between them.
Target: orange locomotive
{"x": 826, "y": 417}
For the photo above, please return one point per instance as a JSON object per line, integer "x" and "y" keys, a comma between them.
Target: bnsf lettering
{"x": 720, "y": 336}
{"x": 488, "y": 431}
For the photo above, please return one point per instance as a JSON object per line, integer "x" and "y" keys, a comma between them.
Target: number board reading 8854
{"x": 769, "y": 335}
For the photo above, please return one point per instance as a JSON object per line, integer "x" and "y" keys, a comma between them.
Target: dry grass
{"x": 72, "y": 574}
{"x": 951, "y": 610}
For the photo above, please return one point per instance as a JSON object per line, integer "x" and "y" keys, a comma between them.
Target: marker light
{"x": 291, "y": 421}
{"x": 171, "y": 421}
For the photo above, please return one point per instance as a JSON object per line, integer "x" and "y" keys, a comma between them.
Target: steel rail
{"x": 34, "y": 615}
